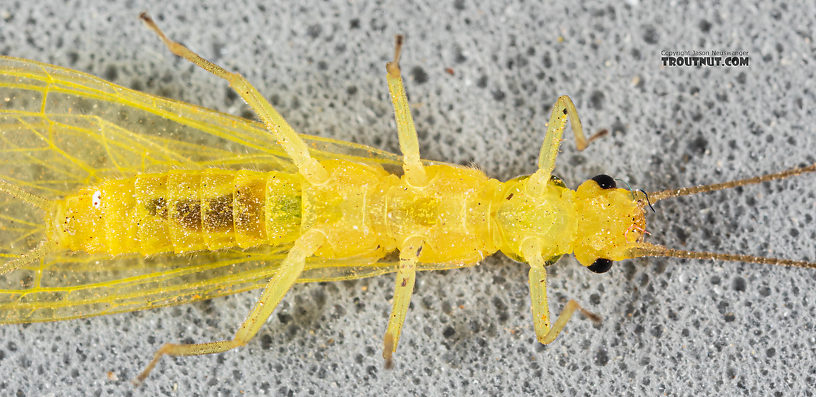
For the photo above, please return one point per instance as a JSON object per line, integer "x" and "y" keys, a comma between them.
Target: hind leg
{"x": 286, "y": 136}
{"x": 289, "y": 271}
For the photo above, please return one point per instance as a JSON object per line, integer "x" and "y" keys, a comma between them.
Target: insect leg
{"x": 286, "y": 136}
{"x": 562, "y": 109}
{"x": 25, "y": 196}
{"x": 409, "y": 145}
{"x": 403, "y": 288}
{"x": 37, "y": 202}
{"x": 545, "y": 332}
{"x": 281, "y": 282}
{"x": 27, "y": 258}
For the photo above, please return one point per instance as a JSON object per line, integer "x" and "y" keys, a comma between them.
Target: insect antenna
{"x": 647, "y": 249}
{"x": 24, "y": 196}
{"x": 685, "y": 191}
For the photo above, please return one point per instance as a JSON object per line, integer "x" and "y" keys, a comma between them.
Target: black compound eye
{"x": 600, "y": 265}
{"x": 604, "y": 181}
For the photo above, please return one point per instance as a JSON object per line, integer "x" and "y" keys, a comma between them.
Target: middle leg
{"x": 403, "y": 289}
{"x": 409, "y": 144}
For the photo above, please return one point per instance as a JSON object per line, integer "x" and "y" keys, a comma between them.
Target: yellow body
{"x": 362, "y": 210}
{"x": 114, "y": 200}
{"x": 150, "y": 202}
{"x": 142, "y": 184}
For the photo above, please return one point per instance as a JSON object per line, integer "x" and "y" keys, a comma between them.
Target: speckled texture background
{"x": 670, "y": 326}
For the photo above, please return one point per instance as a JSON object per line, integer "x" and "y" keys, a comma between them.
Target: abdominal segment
{"x": 180, "y": 211}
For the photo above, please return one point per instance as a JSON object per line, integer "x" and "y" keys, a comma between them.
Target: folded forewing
{"x": 61, "y": 130}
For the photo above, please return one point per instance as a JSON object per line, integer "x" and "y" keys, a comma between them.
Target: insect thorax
{"x": 549, "y": 218}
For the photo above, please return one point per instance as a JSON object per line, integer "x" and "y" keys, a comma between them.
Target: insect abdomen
{"x": 181, "y": 211}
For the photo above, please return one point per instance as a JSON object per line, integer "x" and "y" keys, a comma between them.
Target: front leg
{"x": 545, "y": 332}
{"x": 562, "y": 110}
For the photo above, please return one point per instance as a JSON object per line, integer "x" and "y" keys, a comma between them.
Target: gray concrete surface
{"x": 670, "y": 327}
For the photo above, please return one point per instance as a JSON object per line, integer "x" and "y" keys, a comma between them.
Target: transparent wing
{"x": 75, "y": 287}
{"x": 61, "y": 129}
{"x": 72, "y": 287}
